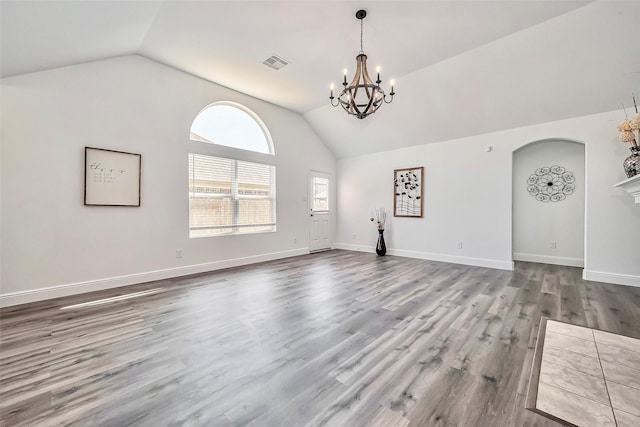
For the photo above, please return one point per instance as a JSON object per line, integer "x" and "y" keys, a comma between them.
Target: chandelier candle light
{"x": 362, "y": 97}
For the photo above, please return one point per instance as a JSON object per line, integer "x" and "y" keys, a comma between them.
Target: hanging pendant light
{"x": 362, "y": 97}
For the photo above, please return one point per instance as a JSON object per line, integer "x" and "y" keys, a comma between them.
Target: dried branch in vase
{"x": 630, "y": 132}
{"x": 630, "y": 129}
{"x": 379, "y": 217}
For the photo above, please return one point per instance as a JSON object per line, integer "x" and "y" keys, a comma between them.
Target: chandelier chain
{"x": 361, "y": 49}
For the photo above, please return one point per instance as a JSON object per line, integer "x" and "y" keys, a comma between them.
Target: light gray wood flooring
{"x": 331, "y": 339}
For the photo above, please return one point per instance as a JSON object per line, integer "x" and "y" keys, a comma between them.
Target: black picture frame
{"x": 111, "y": 178}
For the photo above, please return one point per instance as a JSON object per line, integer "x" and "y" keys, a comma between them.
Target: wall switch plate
{"x": 178, "y": 253}
{"x": 459, "y": 245}
{"x": 554, "y": 245}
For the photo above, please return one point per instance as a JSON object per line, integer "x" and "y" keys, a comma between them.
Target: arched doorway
{"x": 549, "y": 202}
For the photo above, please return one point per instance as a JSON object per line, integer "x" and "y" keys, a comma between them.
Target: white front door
{"x": 319, "y": 212}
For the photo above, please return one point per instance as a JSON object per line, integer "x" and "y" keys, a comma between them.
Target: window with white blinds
{"x": 228, "y": 196}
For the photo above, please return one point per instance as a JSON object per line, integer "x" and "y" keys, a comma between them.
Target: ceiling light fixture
{"x": 362, "y": 97}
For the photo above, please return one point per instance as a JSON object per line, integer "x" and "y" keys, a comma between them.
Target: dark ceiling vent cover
{"x": 275, "y": 62}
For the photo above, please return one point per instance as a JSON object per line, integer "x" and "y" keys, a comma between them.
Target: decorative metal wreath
{"x": 553, "y": 183}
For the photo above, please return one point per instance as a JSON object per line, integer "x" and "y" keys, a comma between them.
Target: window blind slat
{"x": 228, "y": 196}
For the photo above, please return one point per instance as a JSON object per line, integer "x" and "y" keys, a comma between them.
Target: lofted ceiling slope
{"x": 461, "y": 67}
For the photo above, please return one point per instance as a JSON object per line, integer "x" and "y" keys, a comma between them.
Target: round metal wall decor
{"x": 553, "y": 183}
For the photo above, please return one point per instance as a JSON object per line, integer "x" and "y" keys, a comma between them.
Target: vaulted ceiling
{"x": 461, "y": 67}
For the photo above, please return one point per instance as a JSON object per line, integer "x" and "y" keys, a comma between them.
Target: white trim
{"x": 632, "y": 186}
{"x": 355, "y": 248}
{"x": 34, "y": 295}
{"x": 546, "y": 259}
{"x": 477, "y": 262}
{"x": 615, "y": 278}
{"x": 332, "y": 202}
{"x": 239, "y": 155}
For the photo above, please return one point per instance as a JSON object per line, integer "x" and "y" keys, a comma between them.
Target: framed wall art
{"x": 408, "y": 192}
{"x": 111, "y": 178}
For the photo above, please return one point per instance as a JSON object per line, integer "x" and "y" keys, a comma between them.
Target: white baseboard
{"x": 545, "y": 259}
{"x": 454, "y": 259}
{"x": 356, "y": 248}
{"x": 41, "y": 294}
{"x": 615, "y": 278}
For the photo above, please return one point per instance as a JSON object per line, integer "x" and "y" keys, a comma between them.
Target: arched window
{"x": 232, "y": 176}
{"x": 231, "y": 125}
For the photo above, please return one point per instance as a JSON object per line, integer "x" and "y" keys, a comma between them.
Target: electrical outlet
{"x": 459, "y": 245}
{"x": 178, "y": 253}
{"x": 295, "y": 240}
{"x": 554, "y": 244}
{"x": 353, "y": 236}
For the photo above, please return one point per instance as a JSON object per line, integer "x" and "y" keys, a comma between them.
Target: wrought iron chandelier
{"x": 362, "y": 97}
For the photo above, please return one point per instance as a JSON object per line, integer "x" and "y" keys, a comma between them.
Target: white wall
{"x": 468, "y": 194}
{"x": 537, "y": 224}
{"x": 52, "y": 245}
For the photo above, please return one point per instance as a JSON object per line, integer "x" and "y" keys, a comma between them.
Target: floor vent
{"x": 275, "y": 62}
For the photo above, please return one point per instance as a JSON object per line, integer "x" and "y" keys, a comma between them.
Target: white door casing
{"x": 319, "y": 211}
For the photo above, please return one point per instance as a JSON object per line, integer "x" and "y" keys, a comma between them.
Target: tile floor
{"x": 588, "y": 377}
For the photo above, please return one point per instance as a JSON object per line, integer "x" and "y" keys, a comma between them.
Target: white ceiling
{"x": 461, "y": 67}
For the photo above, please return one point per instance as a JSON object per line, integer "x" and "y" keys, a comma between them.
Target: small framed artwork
{"x": 408, "y": 192}
{"x": 111, "y": 178}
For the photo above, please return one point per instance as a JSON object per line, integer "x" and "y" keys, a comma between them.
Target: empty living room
{"x": 319, "y": 213}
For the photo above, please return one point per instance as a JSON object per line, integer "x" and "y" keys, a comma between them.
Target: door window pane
{"x": 320, "y": 197}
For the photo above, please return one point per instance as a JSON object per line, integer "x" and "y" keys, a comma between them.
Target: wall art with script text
{"x": 111, "y": 178}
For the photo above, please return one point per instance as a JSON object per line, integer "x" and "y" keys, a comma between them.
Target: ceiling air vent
{"x": 275, "y": 62}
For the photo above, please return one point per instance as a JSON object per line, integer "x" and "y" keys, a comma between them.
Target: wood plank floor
{"x": 331, "y": 339}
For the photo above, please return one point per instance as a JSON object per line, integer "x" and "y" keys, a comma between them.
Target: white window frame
{"x": 237, "y": 154}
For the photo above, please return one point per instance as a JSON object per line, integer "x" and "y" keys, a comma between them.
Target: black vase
{"x": 381, "y": 248}
{"x": 632, "y": 163}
